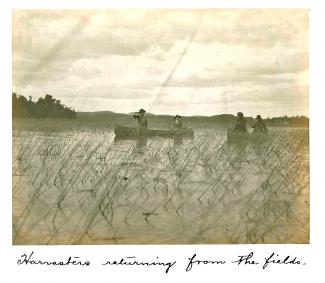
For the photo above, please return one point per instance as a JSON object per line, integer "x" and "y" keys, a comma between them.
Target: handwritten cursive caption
{"x": 190, "y": 263}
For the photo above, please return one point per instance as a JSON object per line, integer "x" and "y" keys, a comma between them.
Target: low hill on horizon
{"x": 196, "y": 121}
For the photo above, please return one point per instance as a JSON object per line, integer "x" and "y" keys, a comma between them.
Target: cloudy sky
{"x": 184, "y": 62}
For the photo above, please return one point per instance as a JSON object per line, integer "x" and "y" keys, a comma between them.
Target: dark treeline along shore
{"x": 49, "y": 114}
{"x": 47, "y": 107}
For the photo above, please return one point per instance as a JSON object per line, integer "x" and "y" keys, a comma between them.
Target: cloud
{"x": 257, "y": 75}
{"x": 226, "y": 79}
{"x": 83, "y": 34}
{"x": 143, "y": 56}
{"x": 251, "y": 99}
{"x": 85, "y": 73}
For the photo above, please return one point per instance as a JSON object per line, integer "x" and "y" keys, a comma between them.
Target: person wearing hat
{"x": 240, "y": 125}
{"x": 178, "y": 123}
{"x": 141, "y": 119}
{"x": 259, "y": 126}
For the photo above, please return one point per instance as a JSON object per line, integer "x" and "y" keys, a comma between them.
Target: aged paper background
{"x": 309, "y": 252}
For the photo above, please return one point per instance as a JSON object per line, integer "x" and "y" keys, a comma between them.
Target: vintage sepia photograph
{"x": 160, "y": 126}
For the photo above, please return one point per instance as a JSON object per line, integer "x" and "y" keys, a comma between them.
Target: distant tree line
{"x": 46, "y": 107}
{"x": 285, "y": 121}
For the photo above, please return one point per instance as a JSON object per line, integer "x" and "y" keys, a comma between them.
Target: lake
{"x": 84, "y": 187}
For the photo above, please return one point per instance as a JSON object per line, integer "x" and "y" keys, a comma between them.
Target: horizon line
{"x": 150, "y": 113}
{"x": 161, "y": 114}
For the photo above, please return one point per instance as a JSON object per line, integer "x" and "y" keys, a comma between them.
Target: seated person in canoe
{"x": 240, "y": 125}
{"x": 259, "y": 126}
{"x": 178, "y": 122}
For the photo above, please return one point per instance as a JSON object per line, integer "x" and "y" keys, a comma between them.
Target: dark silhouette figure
{"x": 141, "y": 120}
{"x": 240, "y": 125}
{"x": 178, "y": 122}
{"x": 259, "y": 126}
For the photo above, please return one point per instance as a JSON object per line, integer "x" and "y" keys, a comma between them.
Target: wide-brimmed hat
{"x": 142, "y": 111}
{"x": 178, "y": 116}
{"x": 258, "y": 117}
{"x": 240, "y": 114}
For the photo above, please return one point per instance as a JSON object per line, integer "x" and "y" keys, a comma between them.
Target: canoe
{"x": 235, "y": 136}
{"x": 129, "y": 132}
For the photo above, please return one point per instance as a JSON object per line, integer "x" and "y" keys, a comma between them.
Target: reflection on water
{"x": 142, "y": 141}
{"x": 178, "y": 140}
{"x": 238, "y": 150}
{"x": 90, "y": 188}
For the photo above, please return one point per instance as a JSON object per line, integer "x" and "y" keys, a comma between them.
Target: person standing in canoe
{"x": 178, "y": 123}
{"x": 259, "y": 126}
{"x": 240, "y": 125}
{"x": 141, "y": 120}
